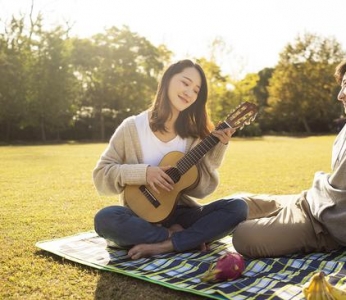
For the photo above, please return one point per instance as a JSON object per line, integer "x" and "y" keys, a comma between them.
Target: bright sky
{"x": 256, "y": 31}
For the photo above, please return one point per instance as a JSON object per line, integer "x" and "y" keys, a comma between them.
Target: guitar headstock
{"x": 242, "y": 115}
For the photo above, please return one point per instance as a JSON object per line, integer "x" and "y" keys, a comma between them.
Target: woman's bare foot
{"x": 204, "y": 247}
{"x": 147, "y": 250}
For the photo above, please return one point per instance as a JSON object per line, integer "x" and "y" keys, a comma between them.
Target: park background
{"x": 63, "y": 93}
{"x": 57, "y": 85}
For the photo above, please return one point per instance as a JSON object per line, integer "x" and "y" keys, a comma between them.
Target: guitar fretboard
{"x": 196, "y": 153}
{"x": 243, "y": 114}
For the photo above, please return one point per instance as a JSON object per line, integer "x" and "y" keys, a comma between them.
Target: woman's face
{"x": 183, "y": 89}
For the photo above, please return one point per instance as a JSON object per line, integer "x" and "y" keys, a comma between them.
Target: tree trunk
{"x": 306, "y": 125}
{"x": 43, "y": 131}
{"x": 102, "y": 126}
{"x": 8, "y": 130}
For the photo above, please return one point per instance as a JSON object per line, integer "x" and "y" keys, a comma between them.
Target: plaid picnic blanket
{"x": 270, "y": 278}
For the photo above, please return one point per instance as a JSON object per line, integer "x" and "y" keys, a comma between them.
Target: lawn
{"x": 47, "y": 192}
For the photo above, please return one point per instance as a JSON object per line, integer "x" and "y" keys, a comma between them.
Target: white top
{"x": 154, "y": 149}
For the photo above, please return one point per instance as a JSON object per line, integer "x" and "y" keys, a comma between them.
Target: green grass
{"x": 46, "y": 192}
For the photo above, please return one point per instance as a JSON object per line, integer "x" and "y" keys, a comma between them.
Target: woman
{"x": 176, "y": 121}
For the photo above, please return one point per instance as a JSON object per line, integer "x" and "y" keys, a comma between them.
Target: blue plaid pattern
{"x": 270, "y": 278}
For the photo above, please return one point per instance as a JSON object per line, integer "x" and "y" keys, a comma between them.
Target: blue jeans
{"x": 201, "y": 224}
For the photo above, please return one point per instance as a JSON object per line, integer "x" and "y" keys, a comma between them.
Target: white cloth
{"x": 153, "y": 148}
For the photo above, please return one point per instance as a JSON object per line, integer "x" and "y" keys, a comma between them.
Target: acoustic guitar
{"x": 154, "y": 207}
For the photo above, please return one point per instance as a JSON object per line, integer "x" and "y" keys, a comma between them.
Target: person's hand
{"x": 157, "y": 178}
{"x": 224, "y": 135}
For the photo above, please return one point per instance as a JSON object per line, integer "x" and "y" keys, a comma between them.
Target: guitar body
{"x": 156, "y": 207}
{"x": 166, "y": 201}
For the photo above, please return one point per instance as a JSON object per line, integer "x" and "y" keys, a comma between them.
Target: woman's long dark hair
{"x": 193, "y": 121}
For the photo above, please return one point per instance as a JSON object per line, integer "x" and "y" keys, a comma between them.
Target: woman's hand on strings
{"x": 157, "y": 178}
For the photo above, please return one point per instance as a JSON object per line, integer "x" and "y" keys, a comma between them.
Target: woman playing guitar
{"x": 176, "y": 122}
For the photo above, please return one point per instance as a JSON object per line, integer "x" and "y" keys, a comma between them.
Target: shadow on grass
{"x": 112, "y": 285}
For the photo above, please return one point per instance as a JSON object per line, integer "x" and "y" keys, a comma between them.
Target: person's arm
{"x": 119, "y": 164}
{"x": 338, "y": 178}
{"x": 327, "y": 190}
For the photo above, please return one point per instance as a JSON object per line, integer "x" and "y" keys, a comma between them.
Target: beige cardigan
{"x": 122, "y": 164}
{"x": 327, "y": 196}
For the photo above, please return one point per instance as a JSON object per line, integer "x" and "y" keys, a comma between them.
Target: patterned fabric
{"x": 271, "y": 278}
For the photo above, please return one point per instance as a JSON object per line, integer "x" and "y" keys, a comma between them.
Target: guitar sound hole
{"x": 149, "y": 196}
{"x": 174, "y": 174}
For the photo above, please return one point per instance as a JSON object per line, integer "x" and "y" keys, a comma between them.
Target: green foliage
{"x": 37, "y": 87}
{"x": 301, "y": 88}
{"x": 56, "y": 87}
{"x": 51, "y": 84}
{"x": 13, "y": 56}
{"x": 242, "y": 91}
{"x": 261, "y": 94}
{"x": 217, "y": 90}
{"x": 118, "y": 71}
{"x": 50, "y": 79}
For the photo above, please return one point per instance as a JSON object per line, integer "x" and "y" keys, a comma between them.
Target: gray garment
{"x": 327, "y": 196}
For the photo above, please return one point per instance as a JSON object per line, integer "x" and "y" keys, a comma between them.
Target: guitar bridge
{"x": 149, "y": 196}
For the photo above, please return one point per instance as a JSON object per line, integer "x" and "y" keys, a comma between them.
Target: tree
{"x": 261, "y": 94}
{"x": 119, "y": 70}
{"x": 52, "y": 85}
{"x": 245, "y": 91}
{"x": 225, "y": 92}
{"x": 13, "y": 63}
{"x": 217, "y": 89}
{"x": 37, "y": 86}
{"x": 302, "y": 85}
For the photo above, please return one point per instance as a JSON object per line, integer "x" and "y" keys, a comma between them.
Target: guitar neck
{"x": 195, "y": 154}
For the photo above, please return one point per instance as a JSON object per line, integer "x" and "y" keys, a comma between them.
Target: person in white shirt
{"x": 176, "y": 121}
